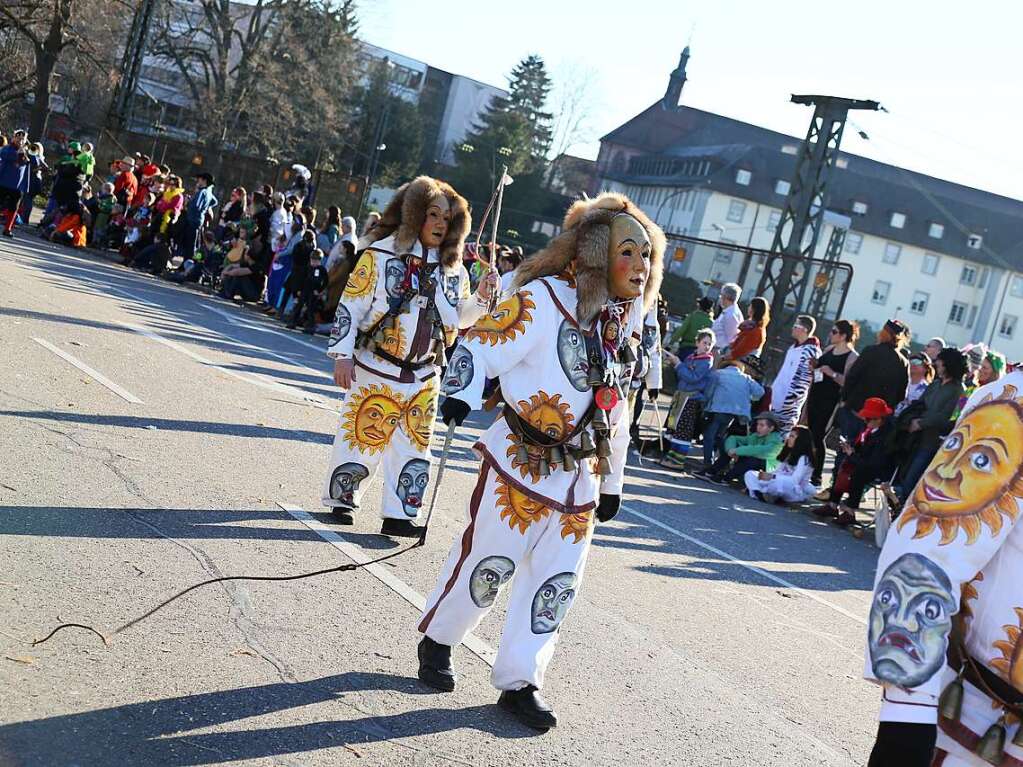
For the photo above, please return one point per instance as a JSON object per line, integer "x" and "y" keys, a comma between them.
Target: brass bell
{"x": 586, "y": 442}
{"x": 594, "y": 378}
{"x": 950, "y": 704}
{"x": 603, "y": 467}
{"x": 1017, "y": 739}
{"x": 627, "y": 356}
{"x": 603, "y": 447}
{"x": 991, "y": 747}
{"x": 568, "y": 464}
{"x": 599, "y": 420}
{"x": 555, "y": 455}
{"x": 521, "y": 455}
{"x": 543, "y": 468}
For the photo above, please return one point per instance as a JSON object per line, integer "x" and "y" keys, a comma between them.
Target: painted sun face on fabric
{"x": 371, "y": 417}
{"x": 552, "y": 602}
{"x": 342, "y": 325}
{"x": 517, "y": 508}
{"x": 572, "y": 355}
{"x": 910, "y": 620}
{"x": 363, "y": 276}
{"x": 488, "y": 578}
{"x": 394, "y": 275}
{"x": 393, "y": 341}
{"x": 419, "y": 416}
{"x": 344, "y": 482}
{"x": 1010, "y": 665}
{"x": 412, "y": 482}
{"x": 547, "y": 414}
{"x": 976, "y": 476}
{"x": 508, "y": 320}
{"x": 459, "y": 371}
{"x": 576, "y": 525}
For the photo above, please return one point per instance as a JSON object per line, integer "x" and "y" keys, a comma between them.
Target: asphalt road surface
{"x": 153, "y": 437}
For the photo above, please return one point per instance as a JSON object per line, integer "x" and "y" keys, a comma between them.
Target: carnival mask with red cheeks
{"x": 628, "y": 257}
{"x": 435, "y": 227}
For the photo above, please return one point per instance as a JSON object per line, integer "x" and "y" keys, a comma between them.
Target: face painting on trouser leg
{"x": 542, "y": 552}
{"x": 383, "y": 422}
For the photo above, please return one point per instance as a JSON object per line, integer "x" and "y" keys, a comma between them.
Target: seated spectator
{"x": 921, "y": 373}
{"x": 753, "y": 452}
{"x": 726, "y": 324}
{"x": 792, "y": 384}
{"x": 683, "y": 338}
{"x": 752, "y": 332}
{"x": 825, "y": 392}
{"x": 154, "y": 257}
{"x": 729, "y": 395}
{"x": 790, "y": 480}
{"x": 71, "y": 229}
{"x": 867, "y": 461}
{"x": 692, "y": 375}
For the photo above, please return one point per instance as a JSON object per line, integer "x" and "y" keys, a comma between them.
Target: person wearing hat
{"x": 867, "y": 460}
{"x": 202, "y": 202}
{"x": 754, "y": 452}
{"x": 126, "y": 184}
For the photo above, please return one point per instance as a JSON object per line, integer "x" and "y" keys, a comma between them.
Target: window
{"x": 736, "y": 211}
{"x": 891, "y": 253}
{"x": 775, "y": 218}
{"x": 859, "y": 208}
{"x": 881, "y": 290}
{"x": 898, "y": 220}
{"x": 759, "y": 263}
{"x": 1016, "y": 286}
{"x": 853, "y": 242}
{"x": 937, "y": 231}
{"x": 920, "y": 299}
{"x": 743, "y": 176}
{"x": 790, "y": 149}
{"x": 974, "y": 241}
{"x": 968, "y": 276}
{"x": 842, "y": 163}
{"x": 1007, "y": 327}
{"x": 972, "y": 317}
{"x": 982, "y": 282}
{"x": 781, "y": 186}
{"x": 723, "y": 257}
{"x": 956, "y": 314}
{"x": 930, "y": 264}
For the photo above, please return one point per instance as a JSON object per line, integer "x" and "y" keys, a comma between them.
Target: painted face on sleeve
{"x": 450, "y": 287}
{"x": 342, "y": 324}
{"x": 412, "y": 483}
{"x": 572, "y": 355}
{"x": 459, "y": 371}
{"x": 552, "y": 602}
{"x": 394, "y": 275}
{"x": 435, "y": 227}
{"x": 344, "y": 482}
{"x": 628, "y": 257}
{"x": 910, "y": 620}
{"x": 360, "y": 281}
{"x": 488, "y": 577}
{"x": 649, "y": 337}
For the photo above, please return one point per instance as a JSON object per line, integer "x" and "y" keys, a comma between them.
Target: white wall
{"x": 467, "y": 99}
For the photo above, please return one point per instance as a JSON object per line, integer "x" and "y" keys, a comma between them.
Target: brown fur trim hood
{"x": 585, "y": 238}
{"x": 404, "y": 216}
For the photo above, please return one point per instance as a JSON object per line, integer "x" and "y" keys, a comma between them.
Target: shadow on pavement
{"x": 155, "y": 732}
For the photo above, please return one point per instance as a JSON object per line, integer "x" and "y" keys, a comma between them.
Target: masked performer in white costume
{"x": 404, "y": 301}
{"x": 563, "y": 344}
{"x": 946, "y": 624}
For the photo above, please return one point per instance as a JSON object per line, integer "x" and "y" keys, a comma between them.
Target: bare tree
{"x": 574, "y": 108}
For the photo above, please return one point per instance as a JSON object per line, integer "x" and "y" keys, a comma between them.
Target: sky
{"x": 949, "y": 73}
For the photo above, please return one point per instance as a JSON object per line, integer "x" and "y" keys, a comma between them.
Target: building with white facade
{"x": 946, "y": 258}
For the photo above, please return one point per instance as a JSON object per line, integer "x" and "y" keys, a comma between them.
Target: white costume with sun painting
{"x": 400, "y": 307}
{"x": 532, "y": 513}
{"x": 958, "y": 547}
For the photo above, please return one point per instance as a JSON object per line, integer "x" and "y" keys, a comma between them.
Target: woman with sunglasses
{"x": 825, "y": 393}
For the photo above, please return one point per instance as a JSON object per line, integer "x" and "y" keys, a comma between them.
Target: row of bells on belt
{"x": 557, "y": 455}
{"x": 991, "y": 746}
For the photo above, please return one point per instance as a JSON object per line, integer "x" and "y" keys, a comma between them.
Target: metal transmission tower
{"x": 818, "y": 302}
{"x": 122, "y": 108}
{"x": 787, "y": 271}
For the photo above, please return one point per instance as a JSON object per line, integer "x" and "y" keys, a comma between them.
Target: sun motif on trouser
{"x": 546, "y": 414}
{"x": 976, "y": 477}
{"x": 1010, "y": 665}
{"x": 418, "y": 417}
{"x": 508, "y": 320}
{"x": 518, "y": 509}
{"x": 370, "y": 417}
{"x": 577, "y": 525}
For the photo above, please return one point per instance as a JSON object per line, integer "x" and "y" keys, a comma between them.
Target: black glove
{"x": 454, "y": 409}
{"x": 608, "y": 507}
{"x": 653, "y": 393}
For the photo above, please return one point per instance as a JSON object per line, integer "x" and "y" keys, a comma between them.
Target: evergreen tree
{"x": 529, "y": 88}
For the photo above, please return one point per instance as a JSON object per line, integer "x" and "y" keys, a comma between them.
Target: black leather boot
{"x": 343, "y": 515}
{"x": 400, "y": 528}
{"x": 435, "y": 669}
{"x": 528, "y": 707}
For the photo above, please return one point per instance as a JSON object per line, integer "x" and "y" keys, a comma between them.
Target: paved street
{"x": 153, "y": 437}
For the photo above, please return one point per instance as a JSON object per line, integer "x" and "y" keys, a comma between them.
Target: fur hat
{"x": 406, "y": 213}
{"x": 585, "y": 237}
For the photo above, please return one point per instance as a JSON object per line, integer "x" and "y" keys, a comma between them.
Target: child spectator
{"x": 754, "y": 452}
{"x": 154, "y": 257}
{"x": 300, "y": 262}
{"x": 71, "y": 229}
{"x": 104, "y": 208}
{"x": 693, "y": 375}
{"x": 683, "y": 338}
{"x": 729, "y": 395}
{"x": 867, "y": 460}
{"x": 314, "y": 291}
{"x": 170, "y": 203}
{"x": 790, "y": 480}
{"x": 126, "y": 184}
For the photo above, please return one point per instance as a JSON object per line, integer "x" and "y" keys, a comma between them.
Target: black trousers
{"x": 900, "y": 744}
{"x": 738, "y": 469}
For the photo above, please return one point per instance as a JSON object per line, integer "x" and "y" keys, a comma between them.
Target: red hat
{"x": 874, "y": 407}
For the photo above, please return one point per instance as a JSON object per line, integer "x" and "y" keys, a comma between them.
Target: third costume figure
{"x": 564, "y": 346}
{"x": 405, "y": 300}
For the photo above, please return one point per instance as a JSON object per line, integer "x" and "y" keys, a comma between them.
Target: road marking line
{"x": 472, "y": 643}
{"x": 120, "y": 391}
{"x": 746, "y": 564}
